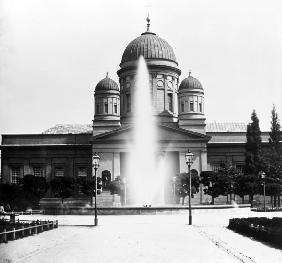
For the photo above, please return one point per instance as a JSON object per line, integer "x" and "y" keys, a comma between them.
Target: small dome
{"x": 106, "y": 84}
{"x": 190, "y": 83}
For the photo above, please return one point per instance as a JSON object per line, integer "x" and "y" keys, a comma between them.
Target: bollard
{"x": 14, "y": 234}
{"x": 23, "y": 234}
{"x": 4, "y": 236}
{"x": 53, "y": 225}
{"x": 35, "y": 229}
{"x": 29, "y": 231}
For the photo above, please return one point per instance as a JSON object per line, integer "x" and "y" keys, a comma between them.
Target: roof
{"x": 106, "y": 84}
{"x": 190, "y": 83}
{"x": 69, "y": 128}
{"x": 226, "y": 127}
{"x": 213, "y": 127}
{"x": 150, "y": 46}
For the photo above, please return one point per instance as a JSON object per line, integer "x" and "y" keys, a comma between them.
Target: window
{"x": 97, "y": 109}
{"x": 38, "y": 171}
{"x": 191, "y": 106}
{"x": 182, "y": 106}
{"x": 115, "y": 108}
{"x": 59, "y": 171}
{"x": 82, "y": 171}
{"x": 169, "y": 101}
{"x": 16, "y": 174}
{"x": 128, "y": 102}
{"x": 106, "y": 107}
{"x": 200, "y": 107}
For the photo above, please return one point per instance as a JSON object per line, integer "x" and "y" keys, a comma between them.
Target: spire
{"x": 189, "y": 72}
{"x": 107, "y": 75}
{"x": 148, "y": 23}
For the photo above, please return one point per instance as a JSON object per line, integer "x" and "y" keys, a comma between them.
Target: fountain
{"x": 145, "y": 175}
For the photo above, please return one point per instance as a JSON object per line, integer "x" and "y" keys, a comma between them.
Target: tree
{"x": 215, "y": 183}
{"x": 116, "y": 186}
{"x": 182, "y": 185}
{"x": 274, "y": 165}
{"x": 253, "y": 158}
{"x": 10, "y": 196}
{"x": 62, "y": 187}
{"x": 246, "y": 184}
{"x": 24, "y": 195}
{"x": 88, "y": 187}
{"x": 34, "y": 188}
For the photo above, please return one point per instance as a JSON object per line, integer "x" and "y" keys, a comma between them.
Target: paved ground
{"x": 147, "y": 238}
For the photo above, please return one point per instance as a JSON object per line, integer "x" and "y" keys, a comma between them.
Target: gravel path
{"x": 147, "y": 238}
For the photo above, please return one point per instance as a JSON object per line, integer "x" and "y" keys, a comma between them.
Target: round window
{"x": 160, "y": 83}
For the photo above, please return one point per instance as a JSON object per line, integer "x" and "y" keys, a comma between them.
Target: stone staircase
{"x": 105, "y": 199}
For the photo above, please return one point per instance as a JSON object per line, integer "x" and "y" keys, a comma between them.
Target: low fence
{"x": 38, "y": 227}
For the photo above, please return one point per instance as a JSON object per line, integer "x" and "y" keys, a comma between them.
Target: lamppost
{"x": 262, "y": 175}
{"x": 95, "y": 165}
{"x": 189, "y": 162}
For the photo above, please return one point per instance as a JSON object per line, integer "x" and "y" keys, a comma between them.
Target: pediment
{"x": 165, "y": 133}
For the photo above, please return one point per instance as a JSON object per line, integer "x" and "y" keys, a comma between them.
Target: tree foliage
{"x": 62, "y": 187}
{"x": 117, "y": 186}
{"x": 215, "y": 183}
{"x": 274, "y": 168}
{"x": 182, "y": 185}
{"x": 88, "y": 186}
{"x": 253, "y": 158}
{"x": 24, "y": 195}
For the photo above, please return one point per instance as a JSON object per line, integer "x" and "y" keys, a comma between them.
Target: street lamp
{"x": 189, "y": 162}
{"x": 95, "y": 165}
{"x": 262, "y": 175}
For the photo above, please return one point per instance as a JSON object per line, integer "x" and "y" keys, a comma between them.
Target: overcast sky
{"x": 53, "y": 53}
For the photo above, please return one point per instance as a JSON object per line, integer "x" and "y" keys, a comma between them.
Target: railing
{"x": 27, "y": 231}
{"x": 31, "y": 212}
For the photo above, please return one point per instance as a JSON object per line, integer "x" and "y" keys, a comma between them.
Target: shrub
{"x": 261, "y": 228}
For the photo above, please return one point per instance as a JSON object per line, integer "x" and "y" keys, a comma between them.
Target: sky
{"x": 54, "y": 52}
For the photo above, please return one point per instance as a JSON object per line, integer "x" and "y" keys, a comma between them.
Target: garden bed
{"x": 19, "y": 229}
{"x": 260, "y": 228}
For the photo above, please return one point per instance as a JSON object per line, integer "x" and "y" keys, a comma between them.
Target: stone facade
{"x": 178, "y": 107}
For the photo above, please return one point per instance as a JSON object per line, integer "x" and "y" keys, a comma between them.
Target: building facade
{"x": 179, "y": 107}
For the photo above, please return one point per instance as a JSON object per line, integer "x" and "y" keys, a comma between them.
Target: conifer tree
{"x": 253, "y": 161}
{"x": 275, "y": 147}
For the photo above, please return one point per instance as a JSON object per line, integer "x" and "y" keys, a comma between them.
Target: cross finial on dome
{"x": 107, "y": 75}
{"x": 189, "y": 72}
{"x": 148, "y": 23}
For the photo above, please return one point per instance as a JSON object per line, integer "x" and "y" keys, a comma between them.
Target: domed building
{"x": 178, "y": 106}
{"x": 179, "y": 111}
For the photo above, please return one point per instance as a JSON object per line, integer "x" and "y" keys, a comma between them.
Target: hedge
{"x": 260, "y": 228}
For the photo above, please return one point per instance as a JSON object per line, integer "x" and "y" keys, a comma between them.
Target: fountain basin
{"x": 135, "y": 210}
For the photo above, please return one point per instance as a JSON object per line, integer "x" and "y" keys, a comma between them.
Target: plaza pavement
{"x": 142, "y": 238}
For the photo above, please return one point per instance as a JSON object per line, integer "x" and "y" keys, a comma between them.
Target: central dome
{"x": 150, "y": 46}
